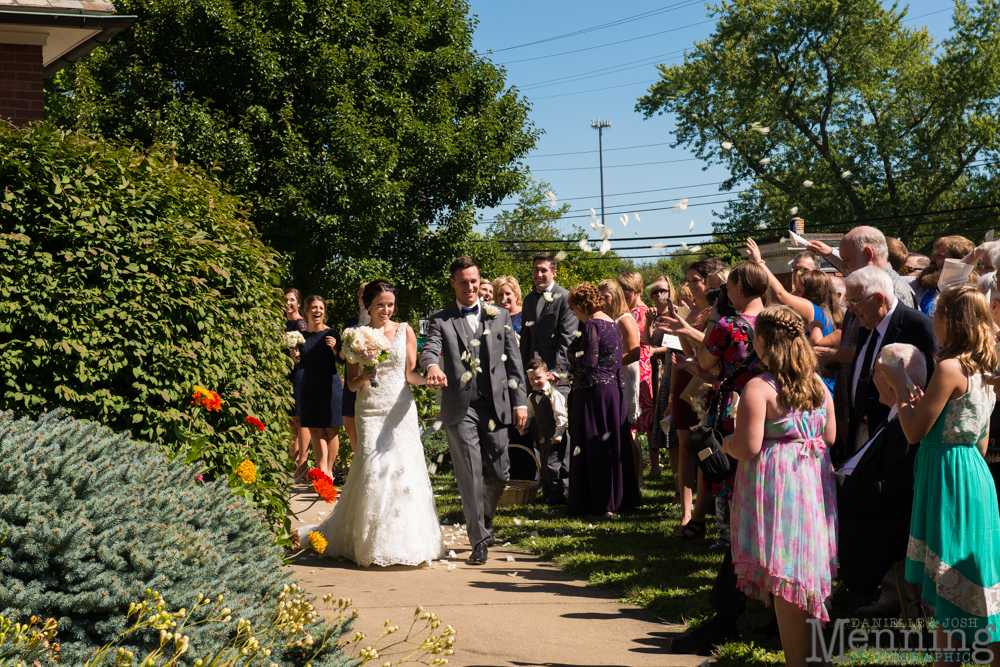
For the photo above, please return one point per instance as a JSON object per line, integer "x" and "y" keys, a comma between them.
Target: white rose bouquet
{"x": 292, "y": 339}
{"x": 366, "y": 347}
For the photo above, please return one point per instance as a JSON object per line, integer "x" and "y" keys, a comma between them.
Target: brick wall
{"x": 21, "y": 72}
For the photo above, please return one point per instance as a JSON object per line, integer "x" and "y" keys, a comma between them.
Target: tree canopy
{"x": 361, "y": 133}
{"x": 841, "y": 111}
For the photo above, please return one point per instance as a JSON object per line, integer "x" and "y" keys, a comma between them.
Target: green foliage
{"x": 95, "y": 519}
{"x": 881, "y": 119}
{"x": 534, "y": 225}
{"x": 362, "y": 133}
{"x": 435, "y": 447}
{"x": 128, "y": 279}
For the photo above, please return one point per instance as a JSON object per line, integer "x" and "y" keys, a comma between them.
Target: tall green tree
{"x": 839, "y": 109}
{"x": 533, "y": 225}
{"x": 352, "y": 128}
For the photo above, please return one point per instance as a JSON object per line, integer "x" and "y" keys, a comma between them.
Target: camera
{"x": 720, "y": 299}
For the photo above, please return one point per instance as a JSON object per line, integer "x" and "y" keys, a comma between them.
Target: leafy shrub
{"x": 94, "y": 519}
{"x": 435, "y": 447}
{"x": 127, "y": 280}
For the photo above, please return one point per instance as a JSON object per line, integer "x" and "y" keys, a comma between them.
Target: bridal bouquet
{"x": 292, "y": 339}
{"x": 366, "y": 347}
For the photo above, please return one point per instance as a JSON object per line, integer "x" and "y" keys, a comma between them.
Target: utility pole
{"x": 599, "y": 125}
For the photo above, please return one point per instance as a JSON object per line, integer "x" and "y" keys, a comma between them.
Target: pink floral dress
{"x": 646, "y": 403}
{"x": 784, "y": 515}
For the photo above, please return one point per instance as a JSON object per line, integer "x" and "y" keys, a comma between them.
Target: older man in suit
{"x": 548, "y": 327}
{"x": 884, "y": 319}
{"x": 875, "y": 488}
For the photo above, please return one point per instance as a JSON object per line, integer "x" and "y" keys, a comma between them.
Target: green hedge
{"x": 128, "y": 279}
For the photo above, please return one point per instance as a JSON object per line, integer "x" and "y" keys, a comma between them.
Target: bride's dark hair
{"x": 376, "y": 287}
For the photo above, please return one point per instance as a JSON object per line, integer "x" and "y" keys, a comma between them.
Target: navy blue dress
{"x": 350, "y": 397}
{"x": 322, "y": 390}
{"x": 295, "y": 376}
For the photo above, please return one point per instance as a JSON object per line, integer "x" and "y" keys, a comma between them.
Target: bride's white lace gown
{"x": 386, "y": 513}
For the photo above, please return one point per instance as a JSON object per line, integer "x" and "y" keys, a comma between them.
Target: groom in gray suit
{"x": 471, "y": 354}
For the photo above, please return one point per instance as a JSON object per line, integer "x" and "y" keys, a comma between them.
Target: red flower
{"x": 209, "y": 399}
{"x": 323, "y": 485}
{"x": 253, "y": 421}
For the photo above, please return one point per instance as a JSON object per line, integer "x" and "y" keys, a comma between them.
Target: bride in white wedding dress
{"x": 386, "y": 513}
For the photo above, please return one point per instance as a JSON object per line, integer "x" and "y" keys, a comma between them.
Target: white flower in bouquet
{"x": 292, "y": 339}
{"x": 366, "y": 347}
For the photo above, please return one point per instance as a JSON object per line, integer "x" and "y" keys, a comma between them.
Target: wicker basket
{"x": 522, "y": 491}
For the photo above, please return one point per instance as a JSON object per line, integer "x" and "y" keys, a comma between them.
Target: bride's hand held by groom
{"x": 436, "y": 377}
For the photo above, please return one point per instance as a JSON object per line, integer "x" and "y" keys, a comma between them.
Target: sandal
{"x": 690, "y": 531}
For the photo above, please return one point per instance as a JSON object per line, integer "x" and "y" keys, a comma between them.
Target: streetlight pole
{"x": 599, "y": 125}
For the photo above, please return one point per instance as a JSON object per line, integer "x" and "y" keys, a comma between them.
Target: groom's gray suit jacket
{"x": 448, "y": 336}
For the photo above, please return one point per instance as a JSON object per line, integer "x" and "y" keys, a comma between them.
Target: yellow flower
{"x": 317, "y": 542}
{"x": 247, "y": 471}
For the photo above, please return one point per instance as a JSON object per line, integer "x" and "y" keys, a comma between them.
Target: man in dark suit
{"x": 884, "y": 319}
{"x": 548, "y": 327}
{"x": 875, "y": 488}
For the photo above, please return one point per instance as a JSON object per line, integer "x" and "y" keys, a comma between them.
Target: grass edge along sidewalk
{"x": 636, "y": 556}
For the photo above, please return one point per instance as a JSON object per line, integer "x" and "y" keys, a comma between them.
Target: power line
{"x": 618, "y": 166}
{"x": 592, "y": 90}
{"x": 598, "y": 72}
{"x": 606, "y": 150}
{"x": 600, "y": 26}
{"x": 615, "y": 43}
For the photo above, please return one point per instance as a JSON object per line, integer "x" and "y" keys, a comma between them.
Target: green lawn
{"x": 636, "y": 556}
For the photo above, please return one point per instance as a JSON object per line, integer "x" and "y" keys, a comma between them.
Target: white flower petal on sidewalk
{"x": 510, "y": 559}
{"x": 452, "y": 554}
{"x": 512, "y": 574}
{"x": 452, "y": 566}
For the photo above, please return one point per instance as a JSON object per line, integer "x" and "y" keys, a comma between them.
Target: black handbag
{"x": 706, "y": 439}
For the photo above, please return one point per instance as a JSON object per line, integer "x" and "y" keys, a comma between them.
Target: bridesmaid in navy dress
{"x": 300, "y": 442}
{"x": 322, "y": 389}
{"x": 601, "y": 475}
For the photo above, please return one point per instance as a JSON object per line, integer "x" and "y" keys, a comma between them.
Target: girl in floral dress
{"x": 954, "y": 548}
{"x": 784, "y": 505}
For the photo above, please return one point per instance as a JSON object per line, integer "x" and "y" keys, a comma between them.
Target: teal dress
{"x": 954, "y": 549}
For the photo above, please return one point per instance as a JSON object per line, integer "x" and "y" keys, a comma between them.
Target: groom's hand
{"x": 436, "y": 377}
{"x": 520, "y": 418}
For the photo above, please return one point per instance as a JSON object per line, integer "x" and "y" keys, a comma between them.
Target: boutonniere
{"x": 548, "y": 391}
{"x": 491, "y": 311}
{"x": 549, "y": 297}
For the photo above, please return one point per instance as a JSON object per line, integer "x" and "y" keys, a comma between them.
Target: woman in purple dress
{"x": 601, "y": 478}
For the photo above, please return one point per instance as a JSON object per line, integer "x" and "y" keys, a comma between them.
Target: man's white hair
{"x": 988, "y": 285}
{"x": 869, "y": 237}
{"x": 993, "y": 254}
{"x": 913, "y": 360}
{"x": 872, "y": 279}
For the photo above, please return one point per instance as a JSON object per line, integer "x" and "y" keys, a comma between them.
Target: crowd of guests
{"x": 856, "y": 413}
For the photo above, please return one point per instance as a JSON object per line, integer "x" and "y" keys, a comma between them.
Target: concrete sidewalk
{"x": 524, "y": 613}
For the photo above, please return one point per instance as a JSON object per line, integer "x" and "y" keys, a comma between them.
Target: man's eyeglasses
{"x": 907, "y": 269}
{"x": 854, "y": 304}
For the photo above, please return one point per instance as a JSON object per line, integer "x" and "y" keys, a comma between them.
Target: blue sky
{"x": 599, "y": 73}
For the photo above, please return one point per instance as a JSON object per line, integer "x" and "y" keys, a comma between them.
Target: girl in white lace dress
{"x": 386, "y": 513}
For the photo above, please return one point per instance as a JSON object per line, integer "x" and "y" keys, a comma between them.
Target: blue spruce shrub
{"x": 93, "y": 519}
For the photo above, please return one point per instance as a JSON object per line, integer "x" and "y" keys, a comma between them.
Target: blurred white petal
{"x": 606, "y": 233}
{"x": 763, "y": 130}
{"x": 491, "y": 425}
{"x": 605, "y": 247}
{"x": 697, "y": 248}
{"x": 593, "y": 213}
{"x": 795, "y": 210}
{"x": 764, "y": 160}
{"x": 681, "y": 205}
{"x": 656, "y": 246}
{"x": 584, "y": 246}
{"x": 727, "y": 145}
{"x": 576, "y": 451}
{"x": 807, "y": 184}
{"x": 594, "y": 225}
{"x": 684, "y": 246}
{"x": 762, "y": 225}
{"x": 691, "y": 226}
{"x": 624, "y": 218}
{"x": 989, "y": 235}
{"x": 606, "y": 436}
{"x": 561, "y": 255}
{"x": 846, "y": 174}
